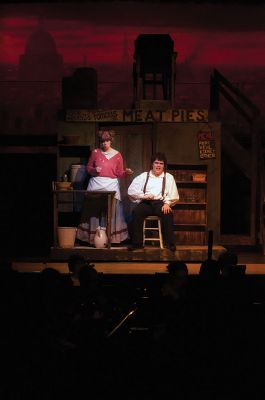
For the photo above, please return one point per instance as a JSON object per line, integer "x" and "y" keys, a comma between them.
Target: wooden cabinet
{"x": 190, "y": 213}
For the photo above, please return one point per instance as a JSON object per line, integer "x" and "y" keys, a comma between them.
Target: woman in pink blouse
{"x": 105, "y": 167}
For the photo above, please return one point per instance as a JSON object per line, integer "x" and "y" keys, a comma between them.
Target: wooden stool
{"x": 149, "y": 228}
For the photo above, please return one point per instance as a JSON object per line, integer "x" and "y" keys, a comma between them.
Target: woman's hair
{"x": 106, "y": 134}
{"x": 160, "y": 157}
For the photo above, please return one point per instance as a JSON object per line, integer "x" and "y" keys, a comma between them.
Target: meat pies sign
{"x": 207, "y": 147}
{"x": 137, "y": 115}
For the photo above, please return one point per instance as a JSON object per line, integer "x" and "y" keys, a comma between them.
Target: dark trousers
{"x": 143, "y": 210}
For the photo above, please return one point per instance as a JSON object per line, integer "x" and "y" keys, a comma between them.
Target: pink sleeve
{"x": 91, "y": 169}
{"x": 120, "y": 167}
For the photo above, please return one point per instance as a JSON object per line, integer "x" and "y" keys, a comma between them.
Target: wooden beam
{"x": 220, "y": 78}
{"x": 237, "y": 153}
{"x": 28, "y": 150}
{"x": 235, "y": 104}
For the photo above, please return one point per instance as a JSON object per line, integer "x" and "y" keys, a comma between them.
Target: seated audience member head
{"x": 227, "y": 262}
{"x": 88, "y": 277}
{"x": 209, "y": 269}
{"x": 175, "y": 284}
{"x": 178, "y": 270}
{"x": 50, "y": 274}
{"x": 158, "y": 163}
{"x": 177, "y": 267}
{"x": 75, "y": 263}
{"x": 50, "y": 278}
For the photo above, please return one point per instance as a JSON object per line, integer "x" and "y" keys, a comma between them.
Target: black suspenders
{"x": 147, "y": 177}
{"x": 163, "y": 183}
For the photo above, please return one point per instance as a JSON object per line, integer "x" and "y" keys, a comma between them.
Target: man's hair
{"x": 160, "y": 157}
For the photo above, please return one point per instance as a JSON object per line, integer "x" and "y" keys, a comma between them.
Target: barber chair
{"x": 154, "y": 68}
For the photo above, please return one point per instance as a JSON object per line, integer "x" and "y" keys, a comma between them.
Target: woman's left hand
{"x": 128, "y": 171}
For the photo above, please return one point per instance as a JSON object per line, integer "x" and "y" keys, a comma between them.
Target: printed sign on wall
{"x": 207, "y": 146}
{"x": 137, "y": 115}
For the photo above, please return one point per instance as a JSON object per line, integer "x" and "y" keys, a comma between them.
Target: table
{"x": 69, "y": 196}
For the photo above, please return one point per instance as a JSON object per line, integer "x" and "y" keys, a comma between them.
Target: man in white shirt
{"x": 155, "y": 192}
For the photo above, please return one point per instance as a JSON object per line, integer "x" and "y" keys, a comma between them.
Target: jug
{"x": 78, "y": 175}
{"x": 100, "y": 239}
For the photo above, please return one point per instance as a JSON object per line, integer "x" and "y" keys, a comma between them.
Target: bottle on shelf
{"x": 65, "y": 177}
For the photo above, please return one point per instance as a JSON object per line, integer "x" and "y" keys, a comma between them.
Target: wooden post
{"x": 55, "y": 215}
{"x": 210, "y": 244}
{"x": 253, "y": 199}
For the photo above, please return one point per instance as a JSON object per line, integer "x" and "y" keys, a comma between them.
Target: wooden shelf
{"x": 73, "y": 145}
{"x": 190, "y": 183}
{"x": 190, "y": 224}
{"x": 190, "y": 213}
{"x": 182, "y": 203}
{"x": 73, "y": 151}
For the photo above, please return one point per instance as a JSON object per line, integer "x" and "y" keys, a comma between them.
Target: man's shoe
{"x": 133, "y": 247}
{"x": 171, "y": 247}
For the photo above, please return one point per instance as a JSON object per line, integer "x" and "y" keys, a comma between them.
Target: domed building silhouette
{"x": 40, "y": 62}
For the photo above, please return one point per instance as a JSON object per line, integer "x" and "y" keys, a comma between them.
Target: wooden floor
{"x": 147, "y": 261}
{"x": 196, "y": 253}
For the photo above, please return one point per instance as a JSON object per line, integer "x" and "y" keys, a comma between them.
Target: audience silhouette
{"x": 75, "y": 262}
{"x": 196, "y": 327}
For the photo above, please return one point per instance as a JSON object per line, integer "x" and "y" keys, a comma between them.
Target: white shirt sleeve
{"x": 135, "y": 190}
{"x": 171, "y": 195}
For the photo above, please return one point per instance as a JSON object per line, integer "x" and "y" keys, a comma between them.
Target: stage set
{"x": 191, "y": 142}
{"x": 194, "y": 141}
{"x": 191, "y": 139}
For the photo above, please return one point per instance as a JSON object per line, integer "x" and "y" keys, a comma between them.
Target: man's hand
{"x": 148, "y": 197}
{"x": 98, "y": 169}
{"x": 166, "y": 209}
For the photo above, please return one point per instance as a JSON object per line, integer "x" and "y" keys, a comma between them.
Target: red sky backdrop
{"x": 204, "y": 34}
